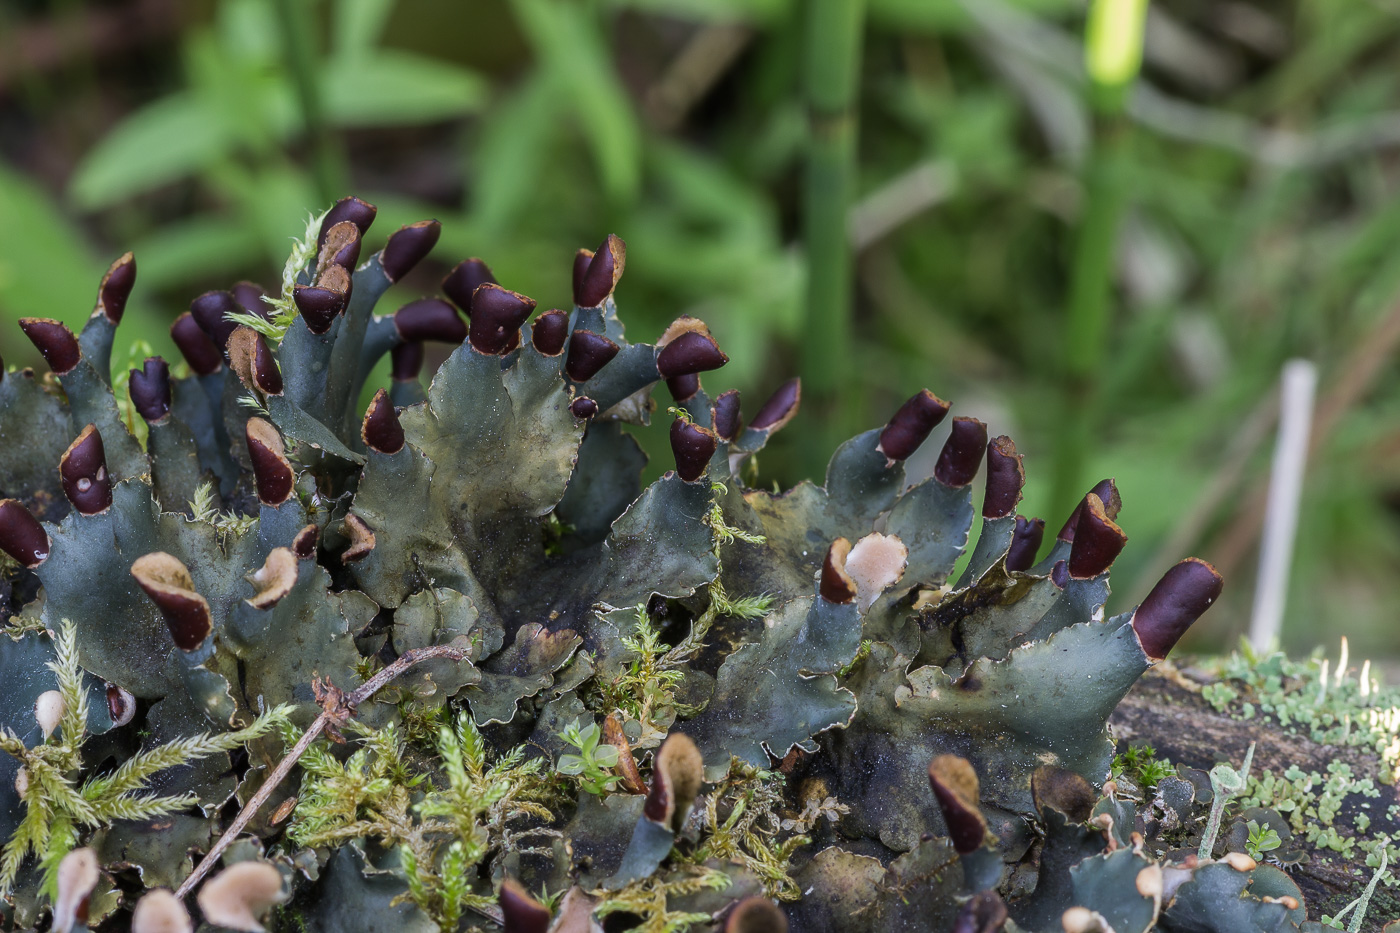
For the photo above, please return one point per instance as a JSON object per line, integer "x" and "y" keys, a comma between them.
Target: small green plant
{"x": 593, "y": 761}
{"x": 367, "y": 795}
{"x": 1219, "y": 695}
{"x": 482, "y": 806}
{"x": 1308, "y": 698}
{"x": 1261, "y": 839}
{"x": 121, "y": 389}
{"x": 643, "y": 692}
{"x": 554, "y": 532}
{"x": 1141, "y": 764}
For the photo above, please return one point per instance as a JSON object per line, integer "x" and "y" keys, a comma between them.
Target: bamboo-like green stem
{"x": 834, "y": 31}
{"x": 328, "y": 164}
{"x": 1087, "y": 317}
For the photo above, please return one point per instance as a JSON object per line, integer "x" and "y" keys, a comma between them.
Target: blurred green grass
{"x": 1256, "y": 158}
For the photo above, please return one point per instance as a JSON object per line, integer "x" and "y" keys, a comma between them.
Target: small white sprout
{"x": 49, "y": 710}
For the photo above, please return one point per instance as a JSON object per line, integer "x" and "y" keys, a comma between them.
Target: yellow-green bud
{"x": 1113, "y": 41}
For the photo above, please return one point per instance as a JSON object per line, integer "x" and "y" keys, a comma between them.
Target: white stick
{"x": 1285, "y": 490}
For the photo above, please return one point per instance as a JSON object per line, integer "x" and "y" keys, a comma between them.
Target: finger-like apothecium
{"x": 241, "y": 895}
{"x": 955, "y": 786}
{"x": 195, "y": 345}
{"x": 837, "y": 585}
{"x": 169, "y": 584}
{"x": 381, "y": 430}
{"x": 430, "y": 319}
{"x": 21, "y": 535}
{"x": 341, "y": 247}
{"x": 360, "y": 213}
{"x": 406, "y": 361}
{"x": 272, "y": 471}
{"x": 962, "y": 453}
{"x": 54, "y": 341}
{"x": 121, "y": 705}
{"x": 251, "y": 359}
{"x": 780, "y": 407}
{"x": 323, "y": 301}
{"x": 78, "y": 875}
{"x": 1181, "y": 597}
{"x": 984, "y": 912}
{"x": 274, "y": 579}
{"x": 549, "y": 332}
{"x": 160, "y": 911}
{"x": 690, "y": 353}
{"x": 911, "y": 425}
{"x": 588, "y": 353}
{"x": 600, "y": 276}
{"x": 875, "y": 562}
{"x": 1025, "y": 543}
{"x": 692, "y": 446}
{"x": 463, "y": 281}
{"x": 1097, "y": 541}
{"x": 150, "y": 389}
{"x": 497, "y": 316}
{"x": 211, "y": 311}
{"x": 521, "y": 913}
{"x": 683, "y": 388}
{"x": 1005, "y": 477}
{"x": 726, "y": 417}
{"x": 83, "y": 470}
{"x": 676, "y": 776}
{"x": 249, "y": 296}
{"x": 49, "y": 708}
{"x": 1107, "y": 491}
{"x": 116, "y": 288}
{"x": 407, "y": 246}
{"x": 756, "y": 915}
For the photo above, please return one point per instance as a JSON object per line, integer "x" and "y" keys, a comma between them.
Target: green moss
{"x": 1142, "y": 766}
{"x": 438, "y": 832}
{"x": 741, "y": 824}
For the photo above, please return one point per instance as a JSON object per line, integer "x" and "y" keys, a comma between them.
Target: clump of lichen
{"x": 522, "y": 688}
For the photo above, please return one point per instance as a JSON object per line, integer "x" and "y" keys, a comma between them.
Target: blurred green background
{"x": 880, "y": 195}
